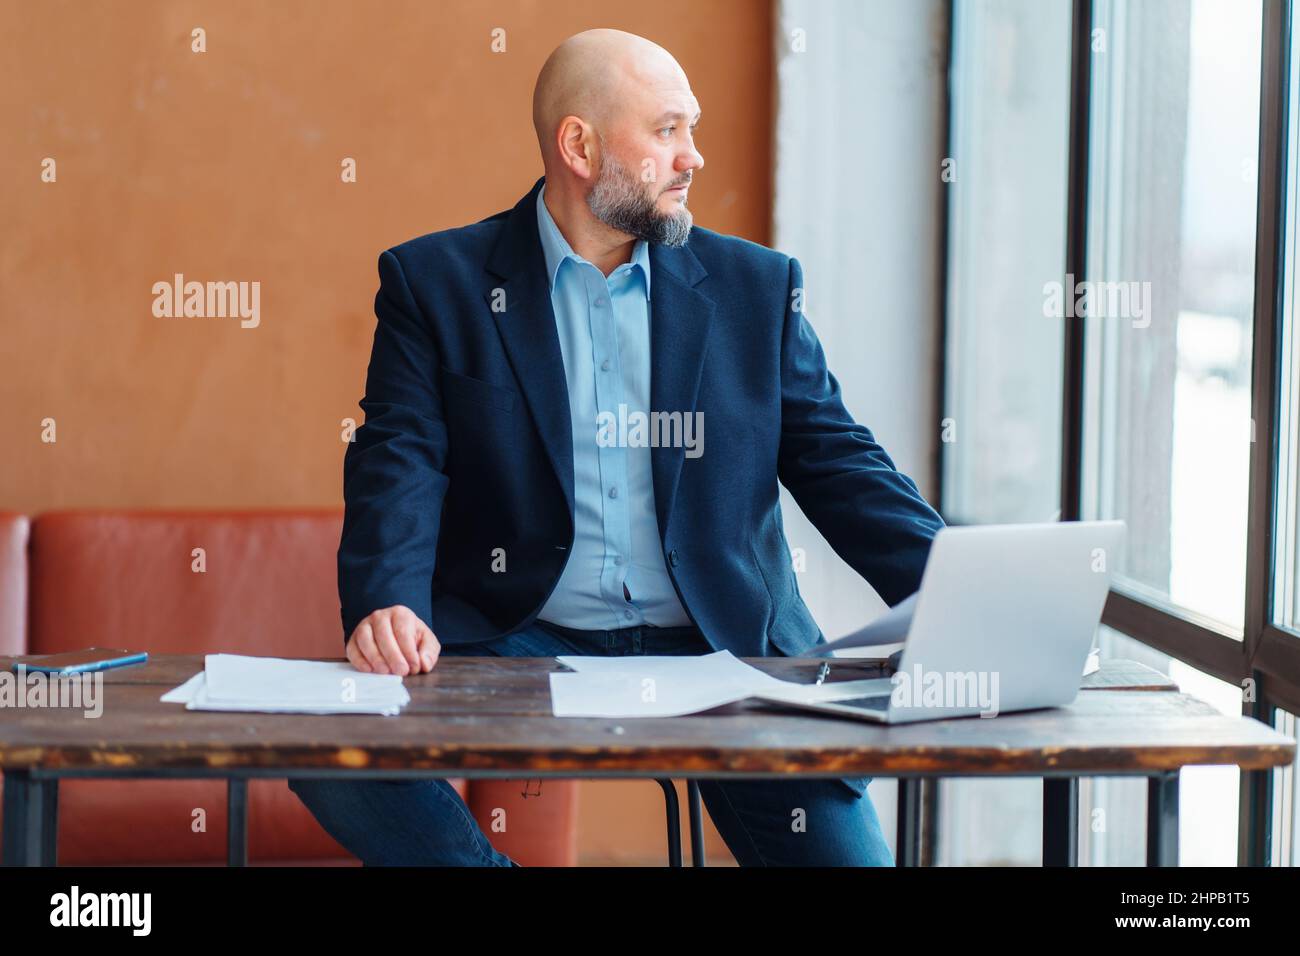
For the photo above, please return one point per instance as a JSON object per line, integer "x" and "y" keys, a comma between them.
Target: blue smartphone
{"x": 80, "y": 662}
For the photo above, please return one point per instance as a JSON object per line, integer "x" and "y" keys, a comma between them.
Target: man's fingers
{"x": 430, "y": 648}
{"x": 386, "y": 641}
{"x": 355, "y": 657}
{"x": 406, "y": 631}
{"x": 364, "y": 639}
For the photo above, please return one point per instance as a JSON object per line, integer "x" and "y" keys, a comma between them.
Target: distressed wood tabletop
{"x": 493, "y": 714}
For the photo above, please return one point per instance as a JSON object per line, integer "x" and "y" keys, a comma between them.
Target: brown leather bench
{"x": 127, "y": 579}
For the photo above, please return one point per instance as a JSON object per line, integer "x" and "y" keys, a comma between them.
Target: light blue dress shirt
{"x": 615, "y": 576}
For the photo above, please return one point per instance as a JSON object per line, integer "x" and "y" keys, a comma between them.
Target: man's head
{"x": 615, "y": 120}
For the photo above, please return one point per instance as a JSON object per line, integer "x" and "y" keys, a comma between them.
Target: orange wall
{"x": 225, "y": 166}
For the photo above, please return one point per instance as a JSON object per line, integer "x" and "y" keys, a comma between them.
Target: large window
{"x": 1123, "y": 341}
{"x": 1169, "y": 295}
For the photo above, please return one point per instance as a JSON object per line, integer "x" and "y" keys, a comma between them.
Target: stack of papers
{"x": 279, "y": 686}
{"x": 673, "y": 686}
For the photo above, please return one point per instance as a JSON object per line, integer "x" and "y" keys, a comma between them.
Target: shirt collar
{"x": 556, "y": 248}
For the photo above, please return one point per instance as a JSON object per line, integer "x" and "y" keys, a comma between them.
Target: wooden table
{"x": 491, "y": 717}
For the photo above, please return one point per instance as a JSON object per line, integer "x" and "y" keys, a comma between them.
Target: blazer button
{"x": 672, "y": 557}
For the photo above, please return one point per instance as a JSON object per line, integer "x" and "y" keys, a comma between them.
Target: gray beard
{"x": 619, "y": 200}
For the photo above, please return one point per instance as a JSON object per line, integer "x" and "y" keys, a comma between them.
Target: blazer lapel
{"x": 526, "y": 322}
{"x": 679, "y": 331}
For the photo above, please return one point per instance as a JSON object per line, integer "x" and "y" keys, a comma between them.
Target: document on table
{"x": 676, "y": 686}
{"x": 890, "y": 628}
{"x": 234, "y": 682}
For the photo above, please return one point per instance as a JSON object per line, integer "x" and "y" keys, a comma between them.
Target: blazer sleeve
{"x": 393, "y": 471}
{"x": 871, "y": 514}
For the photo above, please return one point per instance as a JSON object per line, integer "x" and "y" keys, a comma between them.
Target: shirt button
{"x": 600, "y": 302}
{"x": 604, "y": 366}
{"x": 672, "y": 557}
{"x": 628, "y": 615}
{"x": 613, "y": 492}
{"x": 620, "y": 560}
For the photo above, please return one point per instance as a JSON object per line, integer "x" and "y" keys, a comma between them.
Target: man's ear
{"x": 576, "y": 142}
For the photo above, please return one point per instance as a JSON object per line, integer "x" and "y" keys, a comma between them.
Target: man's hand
{"x": 393, "y": 640}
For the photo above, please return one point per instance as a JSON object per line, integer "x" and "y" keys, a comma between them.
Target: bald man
{"x": 533, "y": 476}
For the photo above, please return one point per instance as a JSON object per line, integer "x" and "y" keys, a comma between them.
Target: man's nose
{"x": 692, "y": 159}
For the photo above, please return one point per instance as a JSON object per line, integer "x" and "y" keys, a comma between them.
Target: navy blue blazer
{"x": 467, "y": 446}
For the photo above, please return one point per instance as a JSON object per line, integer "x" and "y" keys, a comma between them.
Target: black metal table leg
{"x": 49, "y": 821}
{"x": 1162, "y": 819}
{"x": 929, "y": 820}
{"x": 908, "y": 840}
{"x": 674, "y": 815}
{"x": 1060, "y": 821}
{"x": 696, "y": 813}
{"x": 24, "y": 805}
{"x": 236, "y": 822}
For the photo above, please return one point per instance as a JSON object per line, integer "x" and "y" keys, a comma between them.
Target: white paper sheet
{"x": 836, "y": 690}
{"x": 720, "y": 665}
{"x": 234, "y": 682}
{"x": 675, "y": 686}
{"x": 890, "y": 628}
{"x": 627, "y": 695}
{"x": 184, "y": 693}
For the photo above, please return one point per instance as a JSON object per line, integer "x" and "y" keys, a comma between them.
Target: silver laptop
{"x": 1003, "y": 621}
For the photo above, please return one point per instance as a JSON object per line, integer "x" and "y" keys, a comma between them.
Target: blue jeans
{"x": 781, "y": 822}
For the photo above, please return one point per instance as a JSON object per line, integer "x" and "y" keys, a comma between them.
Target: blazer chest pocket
{"x": 476, "y": 390}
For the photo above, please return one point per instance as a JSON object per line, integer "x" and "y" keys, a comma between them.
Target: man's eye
{"x": 668, "y": 129}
